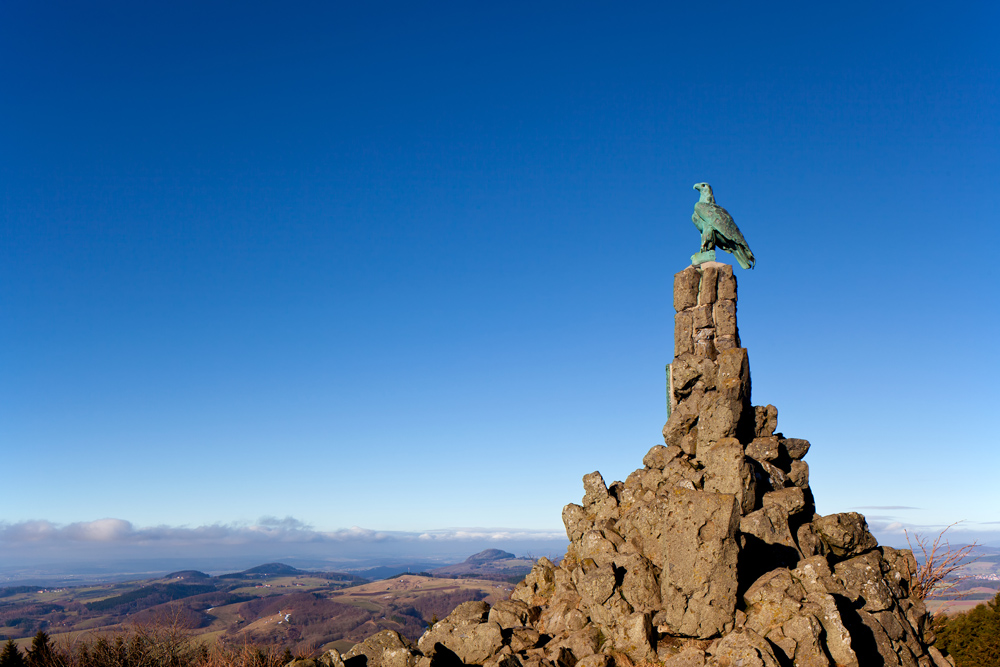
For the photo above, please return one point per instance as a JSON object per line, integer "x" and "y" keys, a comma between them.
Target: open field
{"x": 304, "y": 611}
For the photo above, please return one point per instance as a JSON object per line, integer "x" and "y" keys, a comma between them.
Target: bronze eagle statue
{"x": 718, "y": 229}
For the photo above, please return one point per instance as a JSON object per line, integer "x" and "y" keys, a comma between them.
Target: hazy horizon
{"x": 114, "y": 548}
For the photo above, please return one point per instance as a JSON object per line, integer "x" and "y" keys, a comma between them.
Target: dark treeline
{"x": 27, "y": 619}
{"x": 972, "y": 638}
{"x": 156, "y": 594}
{"x": 141, "y": 648}
{"x": 315, "y": 620}
{"x": 7, "y": 591}
{"x": 439, "y": 605}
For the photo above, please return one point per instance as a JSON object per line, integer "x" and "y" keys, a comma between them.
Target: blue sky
{"x": 407, "y": 267}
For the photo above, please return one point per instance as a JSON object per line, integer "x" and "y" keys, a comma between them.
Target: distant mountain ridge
{"x": 489, "y": 564}
{"x": 187, "y": 574}
{"x": 268, "y": 570}
{"x": 489, "y": 555}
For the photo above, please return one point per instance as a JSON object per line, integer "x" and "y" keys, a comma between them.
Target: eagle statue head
{"x": 706, "y": 192}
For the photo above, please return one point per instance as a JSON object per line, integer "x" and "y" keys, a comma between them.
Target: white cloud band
{"x": 266, "y": 529}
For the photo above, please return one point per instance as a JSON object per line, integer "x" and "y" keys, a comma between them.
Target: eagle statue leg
{"x": 707, "y": 238}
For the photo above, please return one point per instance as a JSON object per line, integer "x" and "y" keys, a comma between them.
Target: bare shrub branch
{"x": 940, "y": 562}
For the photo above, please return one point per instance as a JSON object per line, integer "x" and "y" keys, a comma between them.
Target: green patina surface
{"x": 702, "y": 257}
{"x": 668, "y": 391}
{"x": 718, "y": 230}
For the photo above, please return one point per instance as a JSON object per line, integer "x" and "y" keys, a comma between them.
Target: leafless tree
{"x": 935, "y": 576}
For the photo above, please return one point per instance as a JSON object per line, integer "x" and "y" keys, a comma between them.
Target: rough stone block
{"x": 846, "y": 533}
{"x": 727, "y": 471}
{"x": 720, "y": 412}
{"x": 575, "y": 520}
{"x": 779, "y": 599}
{"x": 724, "y": 316}
{"x": 524, "y": 638}
{"x": 475, "y": 611}
{"x": 884, "y": 652}
{"x": 332, "y": 658}
{"x": 639, "y": 587}
{"x": 595, "y": 546}
{"x": 726, "y": 283}
{"x": 376, "y": 645}
{"x": 561, "y": 614}
{"x": 596, "y": 586}
{"x": 682, "y": 472}
{"x": 902, "y": 566}
{"x": 744, "y": 648}
{"x": 770, "y": 526}
{"x": 777, "y": 479}
{"x": 810, "y": 544}
{"x": 659, "y": 456}
{"x": 817, "y": 578}
{"x": 498, "y": 660}
{"x": 726, "y": 342}
{"x": 610, "y": 532}
{"x": 766, "y": 420}
{"x": 707, "y": 288}
{"x": 862, "y": 577}
{"x": 938, "y": 658}
{"x": 681, "y": 428}
{"x": 690, "y": 656}
{"x": 690, "y": 536}
{"x": 790, "y": 501}
{"x": 595, "y": 490}
{"x": 702, "y": 317}
{"x": 509, "y": 614}
{"x": 734, "y": 370}
{"x": 686, "y": 288}
{"x": 704, "y": 343}
{"x": 397, "y": 657}
{"x": 735, "y": 364}
{"x": 634, "y": 637}
{"x": 718, "y": 418}
{"x": 689, "y": 372}
{"x": 486, "y": 640}
{"x": 798, "y": 474}
{"x": 764, "y": 449}
{"x": 581, "y": 643}
{"x": 596, "y": 660}
{"x": 541, "y": 582}
{"x": 796, "y": 448}
{"x": 683, "y": 333}
{"x": 772, "y": 599}
{"x": 801, "y": 639}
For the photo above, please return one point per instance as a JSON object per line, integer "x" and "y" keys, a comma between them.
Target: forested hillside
{"x": 972, "y": 638}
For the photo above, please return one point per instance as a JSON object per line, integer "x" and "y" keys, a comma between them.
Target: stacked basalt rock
{"x": 711, "y": 554}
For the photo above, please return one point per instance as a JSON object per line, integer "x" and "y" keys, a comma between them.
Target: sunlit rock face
{"x": 710, "y": 554}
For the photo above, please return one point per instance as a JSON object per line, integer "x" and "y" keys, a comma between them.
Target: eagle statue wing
{"x": 727, "y": 234}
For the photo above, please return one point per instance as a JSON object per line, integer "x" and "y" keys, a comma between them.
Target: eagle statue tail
{"x": 743, "y": 255}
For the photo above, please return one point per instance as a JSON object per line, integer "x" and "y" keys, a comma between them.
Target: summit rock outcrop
{"x": 709, "y": 555}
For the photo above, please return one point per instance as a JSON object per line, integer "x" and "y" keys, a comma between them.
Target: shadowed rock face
{"x": 710, "y": 554}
